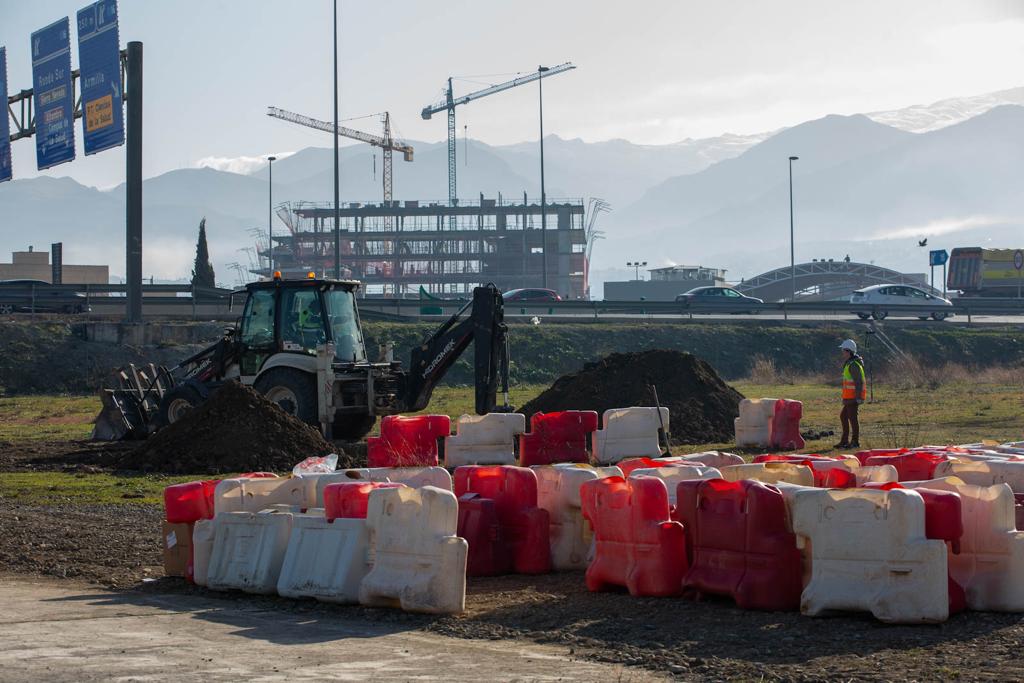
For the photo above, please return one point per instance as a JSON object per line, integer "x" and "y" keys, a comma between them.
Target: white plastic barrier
{"x": 990, "y": 561}
{"x": 716, "y": 459}
{"x": 629, "y": 433}
{"x": 754, "y": 425}
{"x": 413, "y": 477}
{"x": 484, "y": 440}
{"x": 202, "y": 549}
{"x": 869, "y": 553}
{"x": 248, "y": 549}
{"x": 875, "y": 474}
{"x": 325, "y": 560}
{"x": 770, "y": 473}
{"x": 253, "y": 495}
{"x": 420, "y": 564}
{"x": 985, "y": 473}
{"x": 558, "y": 492}
{"x": 673, "y": 475}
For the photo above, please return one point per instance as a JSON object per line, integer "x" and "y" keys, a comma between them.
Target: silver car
{"x": 884, "y": 296}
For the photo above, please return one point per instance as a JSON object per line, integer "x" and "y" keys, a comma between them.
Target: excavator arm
{"x": 480, "y": 322}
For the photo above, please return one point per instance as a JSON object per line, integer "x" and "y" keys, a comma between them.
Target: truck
{"x": 978, "y": 272}
{"x": 299, "y": 342}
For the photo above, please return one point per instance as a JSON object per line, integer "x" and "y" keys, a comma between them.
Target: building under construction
{"x": 395, "y": 248}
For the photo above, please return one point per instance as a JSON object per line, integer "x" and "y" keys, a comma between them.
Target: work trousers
{"x": 848, "y": 417}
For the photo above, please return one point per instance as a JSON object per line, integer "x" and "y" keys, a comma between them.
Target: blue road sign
{"x": 938, "y": 257}
{"x": 99, "y": 63}
{"x": 5, "y": 124}
{"x": 51, "y": 89}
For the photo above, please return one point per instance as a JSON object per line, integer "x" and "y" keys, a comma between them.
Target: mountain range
{"x": 865, "y": 185}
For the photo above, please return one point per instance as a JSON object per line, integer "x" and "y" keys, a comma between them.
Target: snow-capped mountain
{"x": 923, "y": 118}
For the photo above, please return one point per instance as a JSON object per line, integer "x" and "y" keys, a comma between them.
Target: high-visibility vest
{"x": 849, "y": 386}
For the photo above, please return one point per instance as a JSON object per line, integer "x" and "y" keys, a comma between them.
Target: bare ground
{"x": 117, "y": 546}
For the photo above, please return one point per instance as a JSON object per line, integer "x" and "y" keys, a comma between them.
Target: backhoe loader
{"x": 300, "y": 344}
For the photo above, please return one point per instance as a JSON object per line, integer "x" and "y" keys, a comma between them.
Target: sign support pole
{"x": 133, "y": 218}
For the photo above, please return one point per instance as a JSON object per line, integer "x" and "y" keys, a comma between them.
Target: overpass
{"x": 824, "y": 280}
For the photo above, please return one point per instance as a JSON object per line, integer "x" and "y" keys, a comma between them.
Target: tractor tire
{"x": 294, "y": 392}
{"x": 353, "y": 427}
{"x": 176, "y": 403}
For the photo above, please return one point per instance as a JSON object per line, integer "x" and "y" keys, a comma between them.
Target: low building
{"x": 664, "y": 284}
{"x": 35, "y": 265}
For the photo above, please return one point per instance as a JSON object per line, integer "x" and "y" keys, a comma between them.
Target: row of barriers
{"x": 910, "y": 536}
{"x": 502, "y": 438}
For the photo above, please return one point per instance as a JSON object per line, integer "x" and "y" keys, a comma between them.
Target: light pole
{"x": 337, "y": 180}
{"x": 543, "y": 196}
{"x": 270, "y": 212}
{"x": 635, "y": 265}
{"x": 792, "y": 251}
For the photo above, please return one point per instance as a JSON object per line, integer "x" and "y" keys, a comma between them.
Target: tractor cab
{"x": 294, "y": 317}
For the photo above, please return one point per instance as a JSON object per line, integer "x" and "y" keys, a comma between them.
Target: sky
{"x": 652, "y": 72}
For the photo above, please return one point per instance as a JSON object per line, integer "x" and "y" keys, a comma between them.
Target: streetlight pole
{"x": 635, "y": 265}
{"x": 270, "y": 212}
{"x": 337, "y": 180}
{"x": 543, "y": 196}
{"x": 792, "y": 250}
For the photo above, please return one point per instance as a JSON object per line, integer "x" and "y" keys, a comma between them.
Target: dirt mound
{"x": 236, "y": 430}
{"x": 701, "y": 405}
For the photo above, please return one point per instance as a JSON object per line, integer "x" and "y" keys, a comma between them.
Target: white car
{"x": 882, "y": 296}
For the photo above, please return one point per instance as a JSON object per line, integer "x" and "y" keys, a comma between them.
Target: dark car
{"x": 531, "y": 295}
{"x": 39, "y": 296}
{"x": 718, "y": 298}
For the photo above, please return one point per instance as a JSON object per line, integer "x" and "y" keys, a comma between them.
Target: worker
{"x": 854, "y": 393}
{"x": 311, "y": 325}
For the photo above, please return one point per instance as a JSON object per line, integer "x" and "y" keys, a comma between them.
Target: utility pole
{"x": 792, "y": 250}
{"x": 337, "y": 179}
{"x": 270, "y": 213}
{"x": 543, "y": 196}
{"x": 133, "y": 184}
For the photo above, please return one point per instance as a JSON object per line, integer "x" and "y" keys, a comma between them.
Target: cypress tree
{"x": 202, "y": 271}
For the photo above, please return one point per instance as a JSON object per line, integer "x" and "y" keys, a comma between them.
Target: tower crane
{"x": 450, "y": 102}
{"x": 386, "y": 142}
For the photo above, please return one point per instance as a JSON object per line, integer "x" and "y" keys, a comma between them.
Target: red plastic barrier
{"x": 864, "y": 455}
{"x": 786, "y": 425}
{"x": 514, "y": 520}
{"x": 629, "y": 464}
{"x": 407, "y": 441}
{"x": 636, "y": 545}
{"x": 824, "y": 477}
{"x": 557, "y": 437}
{"x": 942, "y": 521}
{"x": 349, "y": 499}
{"x": 739, "y": 544}
{"x": 912, "y": 465}
{"x": 189, "y": 502}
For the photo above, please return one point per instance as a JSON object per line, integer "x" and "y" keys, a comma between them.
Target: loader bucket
{"x": 131, "y": 399}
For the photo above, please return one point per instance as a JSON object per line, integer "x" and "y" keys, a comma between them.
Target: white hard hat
{"x": 849, "y": 345}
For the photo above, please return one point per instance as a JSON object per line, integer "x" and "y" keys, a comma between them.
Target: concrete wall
{"x": 35, "y": 265}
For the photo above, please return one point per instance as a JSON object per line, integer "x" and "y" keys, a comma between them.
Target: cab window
{"x": 348, "y": 340}
{"x": 302, "y": 322}
{"x": 258, "y": 319}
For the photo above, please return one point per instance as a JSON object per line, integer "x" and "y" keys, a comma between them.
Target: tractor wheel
{"x": 294, "y": 392}
{"x": 176, "y": 403}
{"x": 353, "y": 427}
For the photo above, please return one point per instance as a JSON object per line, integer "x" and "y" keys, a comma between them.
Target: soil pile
{"x": 236, "y": 430}
{"x": 702, "y": 407}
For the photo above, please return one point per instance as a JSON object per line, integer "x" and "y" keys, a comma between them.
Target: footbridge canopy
{"x": 824, "y": 280}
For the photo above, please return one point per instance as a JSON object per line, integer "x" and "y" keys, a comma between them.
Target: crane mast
{"x": 450, "y": 102}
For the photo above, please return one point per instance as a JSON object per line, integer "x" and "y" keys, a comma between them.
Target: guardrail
{"x": 184, "y": 295}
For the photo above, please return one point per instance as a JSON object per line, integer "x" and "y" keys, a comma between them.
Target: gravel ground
{"x": 118, "y": 546}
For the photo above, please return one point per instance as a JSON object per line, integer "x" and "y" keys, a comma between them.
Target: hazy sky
{"x": 652, "y": 72}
